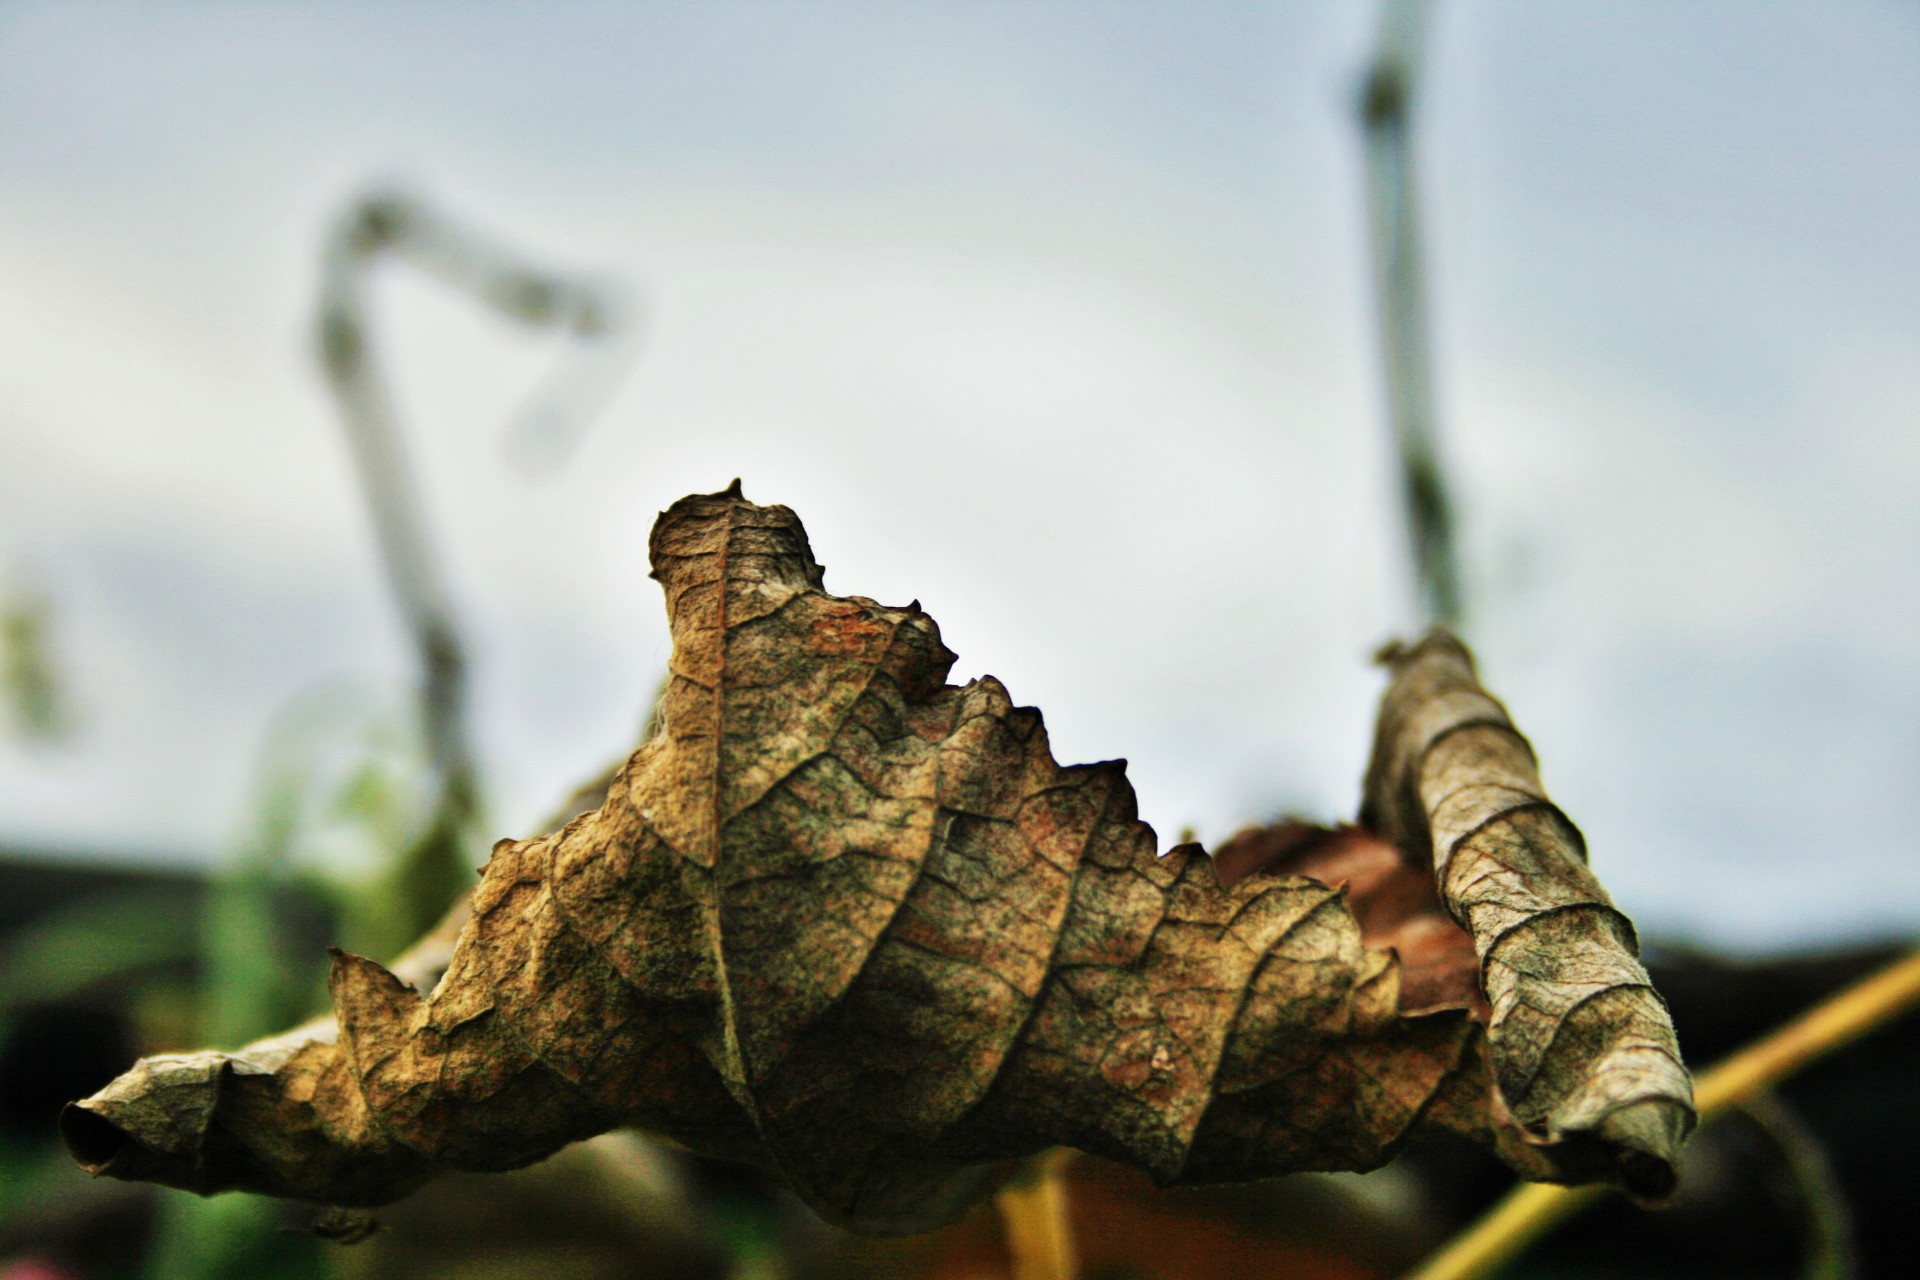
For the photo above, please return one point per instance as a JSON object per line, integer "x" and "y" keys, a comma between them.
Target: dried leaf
{"x": 1582, "y": 1049}
{"x": 849, "y": 922}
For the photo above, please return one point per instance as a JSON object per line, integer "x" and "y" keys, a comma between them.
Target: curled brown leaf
{"x": 854, "y": 924}
{"x": 1583, "y": 1052}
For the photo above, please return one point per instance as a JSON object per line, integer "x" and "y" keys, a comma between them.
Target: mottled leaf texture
{"x": 1582, "y": 1049}
{"x": 847, "y": 921}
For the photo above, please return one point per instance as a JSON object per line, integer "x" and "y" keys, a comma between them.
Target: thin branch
{"x": 1837, "y": 1021}
{"x": 1385, "y": 114}
{"x": 1531, "y": 1211}
{"x": 385, "y": 224}
{"x": 382, "y": 225}
{"x": 1830, "y": 1253}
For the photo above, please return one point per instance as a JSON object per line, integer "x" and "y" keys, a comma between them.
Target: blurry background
{"x": 1054, "y": 316}
{"x": 1058, "y": 317}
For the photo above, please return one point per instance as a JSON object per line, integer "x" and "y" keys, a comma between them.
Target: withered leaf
{"x": 849, "y": 922}
{"x": 1583, "y": 1052}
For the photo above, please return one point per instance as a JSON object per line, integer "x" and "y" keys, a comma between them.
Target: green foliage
{"x": 29, "y": 681}
{"x": 340, "y": 807}
{"x": 235, "y": 1237}
{"x": 99, "y": 939}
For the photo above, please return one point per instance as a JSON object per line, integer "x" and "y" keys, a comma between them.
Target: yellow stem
{"x": 1033, "y": 1209}
{"x": 1530, "y": 1211}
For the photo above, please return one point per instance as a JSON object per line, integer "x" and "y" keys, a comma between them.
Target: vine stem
{"x": 1033, "y": 1210}
{"x": 1530, "y": 1211}
{"x": 1386, "y": 117}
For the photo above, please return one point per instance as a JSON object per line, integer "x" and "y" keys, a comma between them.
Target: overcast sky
{"x": 1053, "y": 316}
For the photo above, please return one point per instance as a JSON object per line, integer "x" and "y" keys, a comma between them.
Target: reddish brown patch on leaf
{"x": 844, "y": 631}
{"x": 1394, "y": 901}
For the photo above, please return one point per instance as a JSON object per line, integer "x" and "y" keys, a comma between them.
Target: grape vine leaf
{"x": 849, "y": 922}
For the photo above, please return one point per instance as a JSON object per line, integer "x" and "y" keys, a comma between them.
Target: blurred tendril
{"x": 1386, "y": 106}
{"x": 601, "y": 329}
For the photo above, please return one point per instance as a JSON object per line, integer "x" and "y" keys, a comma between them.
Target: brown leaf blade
{"x": 852, "y": 923}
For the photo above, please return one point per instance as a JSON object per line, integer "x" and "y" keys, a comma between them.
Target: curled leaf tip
{"x": 1582, "y": 1049}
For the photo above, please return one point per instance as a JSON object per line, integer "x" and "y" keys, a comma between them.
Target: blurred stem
{"x": 433, "y": 871}
{"x": 1830, "y": 1251}
{"x": 1385, "y": 115}
{"x": 1531, "y": 1211}
{"x": 388, "y": 225}
{"x": 1836, "y": 1021}
{"x": 371, "y": 229}
{"x": 1034, "y": 1210}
